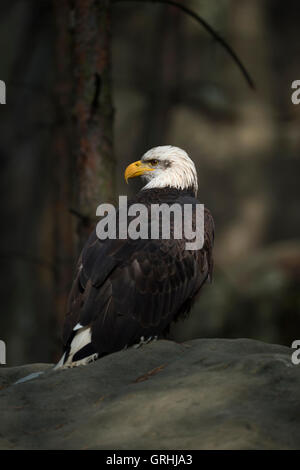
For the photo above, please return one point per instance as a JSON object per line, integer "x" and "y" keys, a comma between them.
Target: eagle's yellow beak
{"x": 136, "y": 169}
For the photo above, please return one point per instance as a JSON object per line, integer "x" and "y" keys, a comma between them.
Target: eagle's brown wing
{"x": 125, "y": 289}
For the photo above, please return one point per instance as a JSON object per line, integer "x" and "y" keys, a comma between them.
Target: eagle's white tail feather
{"x": 80, "y": 340}
{"x": 60, "y": 363}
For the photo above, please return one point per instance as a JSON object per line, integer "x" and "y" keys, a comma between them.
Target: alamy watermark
{"x": 159, "y": 221}
{"x": 296, "y": 354}
{"x": 2, "y": 92}
{"x": 295, "y": 97}
{"x": 2, "y": 352}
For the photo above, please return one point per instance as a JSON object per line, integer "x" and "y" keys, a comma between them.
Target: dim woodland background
{"x": 71, "y": 68}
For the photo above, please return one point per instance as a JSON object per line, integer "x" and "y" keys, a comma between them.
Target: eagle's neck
{"x": 167, "y": 194}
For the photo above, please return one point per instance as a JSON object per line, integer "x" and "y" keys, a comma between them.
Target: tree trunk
{"x": 84, "y": 163}
{"x": 93, "y": 111}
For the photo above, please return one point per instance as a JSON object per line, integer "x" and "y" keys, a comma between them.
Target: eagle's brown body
{"x": 127, "y": 289}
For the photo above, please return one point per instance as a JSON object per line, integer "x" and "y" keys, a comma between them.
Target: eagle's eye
{"x": 153, "y": 162}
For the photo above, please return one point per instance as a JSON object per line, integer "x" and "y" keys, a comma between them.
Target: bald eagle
{"x": 128, "y": 291}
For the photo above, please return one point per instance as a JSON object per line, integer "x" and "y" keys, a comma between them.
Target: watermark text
{"x": 296, "y": 94}
{"x": 296, "y": 354}
{"x": 2, "y": 92}
{"x": 157, "y": 221}
{"x": 2, "y": 352}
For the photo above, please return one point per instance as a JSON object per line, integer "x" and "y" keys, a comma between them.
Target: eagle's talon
{"x": 144, "y": 341}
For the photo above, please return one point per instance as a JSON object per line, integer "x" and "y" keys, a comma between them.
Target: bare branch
{"x": 208, "y": 28}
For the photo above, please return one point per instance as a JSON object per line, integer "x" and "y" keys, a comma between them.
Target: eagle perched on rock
{"x": 129, "y": 290}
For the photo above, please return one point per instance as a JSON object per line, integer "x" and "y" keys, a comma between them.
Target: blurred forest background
{"x": 171, "y": 84}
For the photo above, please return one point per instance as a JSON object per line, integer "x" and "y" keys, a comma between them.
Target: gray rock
{"x": 203, "y": 394}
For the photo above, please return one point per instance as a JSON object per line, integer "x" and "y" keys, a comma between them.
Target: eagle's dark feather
{"x": 125, "y": 289}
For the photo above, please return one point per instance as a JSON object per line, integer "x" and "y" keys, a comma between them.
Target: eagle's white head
{"x": 165, "y": 166}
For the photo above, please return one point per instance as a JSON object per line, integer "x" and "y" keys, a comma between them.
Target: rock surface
{"x": 203, "y": 394}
